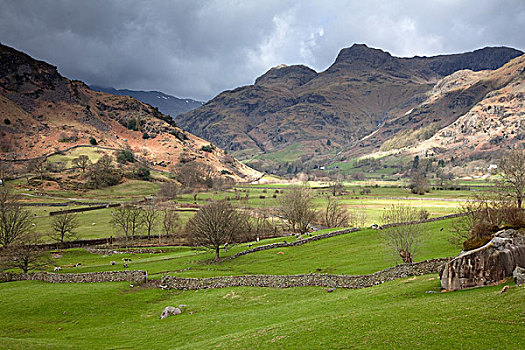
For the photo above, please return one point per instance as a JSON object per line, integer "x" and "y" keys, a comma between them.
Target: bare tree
{"x": 64, "y": 226}
{"x": 513, "y": 167}
{"x": 336, "y": 187}
{"x": 24, "y": 253}
{"x": 418, "y": 182}
{"x": 170, "y": 223}
{"x": 150, "y": 217}
{"x": 403, "y": 233}
{"x": 128, "y": 219}
{"x": 82, "y": 162}
{"x": 215, "y": 225}
{"x": 37, "y": 166}
{"x": 356, "y": 218}
{"x": 296, "y": 208}
{"x": 14, "y": 220}
{"x": 334, "y": 215}
{"x": 168, "y": 190}
{"x": 102, "y": 173}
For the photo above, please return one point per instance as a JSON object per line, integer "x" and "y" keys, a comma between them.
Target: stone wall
{"x": 307, "y": 280}
{"x": 106, "y": 276}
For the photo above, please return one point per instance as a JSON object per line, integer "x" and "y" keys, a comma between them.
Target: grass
{"x": 398, "y": 314}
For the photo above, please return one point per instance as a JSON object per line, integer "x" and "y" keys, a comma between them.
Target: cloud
{"x": 200, "y": 48}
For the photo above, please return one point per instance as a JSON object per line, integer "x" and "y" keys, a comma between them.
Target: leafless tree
{"x": 64, "y": 226}
{"x": 24, "y": 253}
{"x": 334, "y": 215}
{"x": 102, "y": 173}
{"x": 336, "y": 187}
{"x": 513, "y": 167}
{"x": 215, "y": 225}
{"x": 14, "y": 220}
{"x": 170, "y": 223}
{"x": 82, "y": 162}
{"x": 37, "y": 166}
{"x": 356, "y": 219}
{"x": 168, "y": 190}
{"x": 418, "y": 182}
{"x": 150, "y": 217}
{"x": 195, "y": 175}
{"x": 128, "y": 219}
{"x": 296, "y": 207}
{"x": 404, "y": 234}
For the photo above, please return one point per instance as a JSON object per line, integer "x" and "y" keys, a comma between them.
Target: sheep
{"x": 78, "y": 264}
{"x": 93, "y": 224}
{"x": 112, "y": 262}
{"x": 57, "y": 268}
{"x": 125, "y": 265}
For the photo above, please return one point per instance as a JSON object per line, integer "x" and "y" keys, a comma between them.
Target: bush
{"x": 132, "y": 124}
{"x": 7, "y": 121}
{"x": 125, "y": 156}
{"x": 208, "y": 148}
{"x": 475, "y": 242}
{"x": 143, "y": 173}
{"x": 145, "y": 135}
{"x": 93, "y": 141}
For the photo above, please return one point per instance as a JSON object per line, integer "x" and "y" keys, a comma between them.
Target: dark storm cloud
{"x": 199, "y": 48}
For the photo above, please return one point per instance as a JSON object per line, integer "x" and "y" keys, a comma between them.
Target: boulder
{"x": 487, "y": 265}
{"x": 168, "y": 311}
{"x": 519, "y": 275}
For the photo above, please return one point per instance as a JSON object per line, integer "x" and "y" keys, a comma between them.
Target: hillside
{"x": 297, "y": 110}
{"x": 41, "y": 112}
{"x": 167, "y": 104}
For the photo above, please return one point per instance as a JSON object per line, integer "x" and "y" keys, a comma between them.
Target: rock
{"x": 169, "y": 311}
{"x": 519, "y": 275}
{"x": 330, "y": 290}
{"x": 487, "y": 265}
{"x": 504, "y": 289}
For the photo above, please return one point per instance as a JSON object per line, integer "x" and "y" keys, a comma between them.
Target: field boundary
{"x": 88, "y": 277}
{"x": 306, "y": 280}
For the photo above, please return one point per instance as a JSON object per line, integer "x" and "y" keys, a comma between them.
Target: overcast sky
{"x": 192, "y": 48}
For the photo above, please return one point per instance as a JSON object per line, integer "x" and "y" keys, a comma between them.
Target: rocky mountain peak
{"x": 360, "y": 56}
{"x": 291, "y": 76}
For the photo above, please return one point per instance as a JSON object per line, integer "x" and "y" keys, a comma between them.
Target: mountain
{"x": 42, "y": 112}
{"x": 294, "y": 113}
{"x": 167, "y": 104}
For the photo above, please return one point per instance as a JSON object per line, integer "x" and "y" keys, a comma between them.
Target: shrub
{"x": 93, "y": 141}
{"x": 7, "y": 121}
{"x": 225, "y": 172}
{"x": 475, "y": 242}
{"x": 143, "y": 173}
{"x": 132, "y": 124}
{"x": 145, "y": 135}
{"x": 125, "y": 156}
{"x": 208, "y": 148}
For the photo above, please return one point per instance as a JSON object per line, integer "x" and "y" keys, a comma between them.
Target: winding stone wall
{"x": 307, "y": 280}
{"x": 105, "y": 276}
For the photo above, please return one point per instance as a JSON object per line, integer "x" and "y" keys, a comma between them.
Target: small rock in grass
{"x": 330, "y": 290}
{"x": 169, "y": 311}
{"x": 504, "y": 289}
{"x": 519, "y": 275}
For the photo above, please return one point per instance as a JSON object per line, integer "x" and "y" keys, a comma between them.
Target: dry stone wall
{"x": 105, "y": 276}
{"x": 307, "y": 280}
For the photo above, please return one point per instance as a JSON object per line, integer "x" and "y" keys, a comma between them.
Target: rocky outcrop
{"x": 490, "y": 264}
{"x": 519, "y": 275}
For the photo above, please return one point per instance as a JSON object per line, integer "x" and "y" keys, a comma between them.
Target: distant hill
{"x": 293, "y": 113}
{"x": 42, "y": 112}
{"x": 167, "y": 104}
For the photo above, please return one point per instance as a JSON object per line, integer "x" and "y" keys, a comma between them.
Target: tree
{"x": 82, "y": 162}
{"x": 14, "y": 220}
{"x": 24, "y": 253}
{"x": 64, "y": 226}
{"x": 150, "y": 216}
{"x": 336, "y": 187}
{"x": 513, "y": 168}
{"x": 356, "y": 219}
{"x": 128, "y": 219}
{"x": 334, "y": 215}
{"x": 38, "y": 166}
{"x": 418, "y": 182}
{"x": 215, "y": 225}
{"x": 296, "y": 208}
{"x": 102, "y": 173}
{"x": 170, "y": 222}
{"x": 404, "y": 234}
{"x": 168, "y": 190}
{"x": 125, "y": 156}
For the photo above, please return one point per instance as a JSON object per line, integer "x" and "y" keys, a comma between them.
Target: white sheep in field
{"x": 57, "y": 268}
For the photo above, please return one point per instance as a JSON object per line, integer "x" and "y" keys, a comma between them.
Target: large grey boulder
{"x": 490, "y": 264}
{"x": 168, "y": 311}
{"x": 519, "y": 275}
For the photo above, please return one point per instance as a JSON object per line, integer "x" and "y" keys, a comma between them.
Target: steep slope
{"x": 167, "y": 104}
{"x": 315, "y": 114}
{"x": 42, "y": 112}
